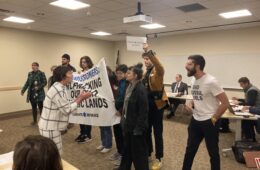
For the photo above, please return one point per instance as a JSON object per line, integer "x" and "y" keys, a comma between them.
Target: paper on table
{"x": 243, "y": 114}
{"x": 238, "y": 108}
{"x": 6, "y": 158}
{"x": 6, "y": 161}
{"x": 169, "y": 94}
{"x": 233, "y": 102}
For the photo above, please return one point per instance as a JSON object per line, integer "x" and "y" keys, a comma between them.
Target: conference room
{"x": 43, "y": 38}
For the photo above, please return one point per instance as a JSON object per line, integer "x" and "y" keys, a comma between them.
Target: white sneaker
{"x": 114, "y": 156}
{"x": 118, "y": 161}
{"x": 100, "y": 147}
{"x": 88, "y": 139}
{"x": 105, "y": 150}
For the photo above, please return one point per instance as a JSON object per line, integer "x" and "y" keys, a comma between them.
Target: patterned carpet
{"x": 86, "y": 157}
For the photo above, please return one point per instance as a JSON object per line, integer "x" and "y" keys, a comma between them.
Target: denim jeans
{"x": 106, "y": 136}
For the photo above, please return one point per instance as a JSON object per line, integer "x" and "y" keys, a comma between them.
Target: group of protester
{"x": 140, "y": 101}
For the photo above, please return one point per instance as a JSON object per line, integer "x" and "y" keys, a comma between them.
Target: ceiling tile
{"x": 108, "y": 15}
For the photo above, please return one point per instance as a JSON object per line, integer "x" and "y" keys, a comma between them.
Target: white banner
{"x": 99, "y": 110}
{"x": 135, "y": 43}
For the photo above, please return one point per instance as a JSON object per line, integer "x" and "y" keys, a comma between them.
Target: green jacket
{"x": 35, "y": 79}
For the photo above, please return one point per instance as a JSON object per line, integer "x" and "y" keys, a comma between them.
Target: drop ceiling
{"x": 107, "y": 15}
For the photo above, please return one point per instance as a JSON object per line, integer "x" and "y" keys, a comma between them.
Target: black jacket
{"x": 254, "y": 110}
{"x": 136, "y": 120}
{"x": 182, "y": 88}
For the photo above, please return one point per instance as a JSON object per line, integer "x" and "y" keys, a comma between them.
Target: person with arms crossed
{"x": 135, "y": 122}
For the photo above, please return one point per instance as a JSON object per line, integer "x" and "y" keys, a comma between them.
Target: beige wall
{"x": 19, "y": 48}
{"x": 244, "y": 40}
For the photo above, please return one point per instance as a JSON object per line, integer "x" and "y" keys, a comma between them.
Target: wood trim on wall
{"x": 10, "y": 88}
{"x": 10, "y": 115}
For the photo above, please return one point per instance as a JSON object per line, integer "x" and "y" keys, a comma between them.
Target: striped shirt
{"x": 56, "y": 109}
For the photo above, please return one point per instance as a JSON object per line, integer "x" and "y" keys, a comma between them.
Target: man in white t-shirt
{"x": 208, "y": 105}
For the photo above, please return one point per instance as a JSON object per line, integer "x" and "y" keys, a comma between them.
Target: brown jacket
{"x": 156, "y": 81}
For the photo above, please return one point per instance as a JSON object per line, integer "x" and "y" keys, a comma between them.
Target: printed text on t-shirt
{"x": 196, "y": 93}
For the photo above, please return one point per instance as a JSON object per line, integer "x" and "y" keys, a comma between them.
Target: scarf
{"x": 128, "y": 94}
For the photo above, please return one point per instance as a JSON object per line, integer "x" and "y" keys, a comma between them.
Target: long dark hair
{"x": 88, "y": 61}
{"x": 111, "y": 76}
{"x": 137, "y": 69}
{"x": 36, "y": 152}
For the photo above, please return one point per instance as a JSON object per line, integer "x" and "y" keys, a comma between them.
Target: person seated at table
{"x": 252, "y": 98}
{"x": 252, "y": 109}
{"x": 180, "y": 88}
{"x": 36, "y": 152}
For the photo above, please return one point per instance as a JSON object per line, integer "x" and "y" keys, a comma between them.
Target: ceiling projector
{"x": 138, "y": 18}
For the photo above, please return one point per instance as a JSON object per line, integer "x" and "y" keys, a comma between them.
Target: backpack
{"x": 241, "y": 146}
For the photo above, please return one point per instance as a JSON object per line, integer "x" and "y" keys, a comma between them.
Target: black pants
{"x": 224, "y": 124}
{"x": 198, "y": 130}
{"x": 135, "y": 151}
{"x": 248, "y": 129}
{"x": 34, "y": 109}
{"x": 118, "y": 133}
{"x": 85, "y": 130}
{"x": 176, "y": 103}
{"x": 155, "y": 121}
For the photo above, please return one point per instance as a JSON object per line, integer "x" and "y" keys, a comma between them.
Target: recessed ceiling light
{"x": 70, "y": 4}
{"x": 18, "y": 20}
{"x": 235, "y": 14}
{"x": 152, "y": 26}
{"x": 101, "y": 33}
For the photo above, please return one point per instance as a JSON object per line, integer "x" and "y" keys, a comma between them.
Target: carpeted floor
{"x": 86, "y": 157}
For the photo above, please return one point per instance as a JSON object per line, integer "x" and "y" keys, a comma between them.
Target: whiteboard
{"x": 227, "y": 68}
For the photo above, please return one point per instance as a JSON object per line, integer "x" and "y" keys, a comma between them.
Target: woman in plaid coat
{"x": 58, "y": 107}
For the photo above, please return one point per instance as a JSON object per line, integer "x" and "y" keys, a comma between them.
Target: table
{"x": 9, "y": 163}
{"x": 238, "y": 134}
{"x": 183, "y": 97}
{"x": 238, "y": 119}
{"x": 226, "y": 115}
